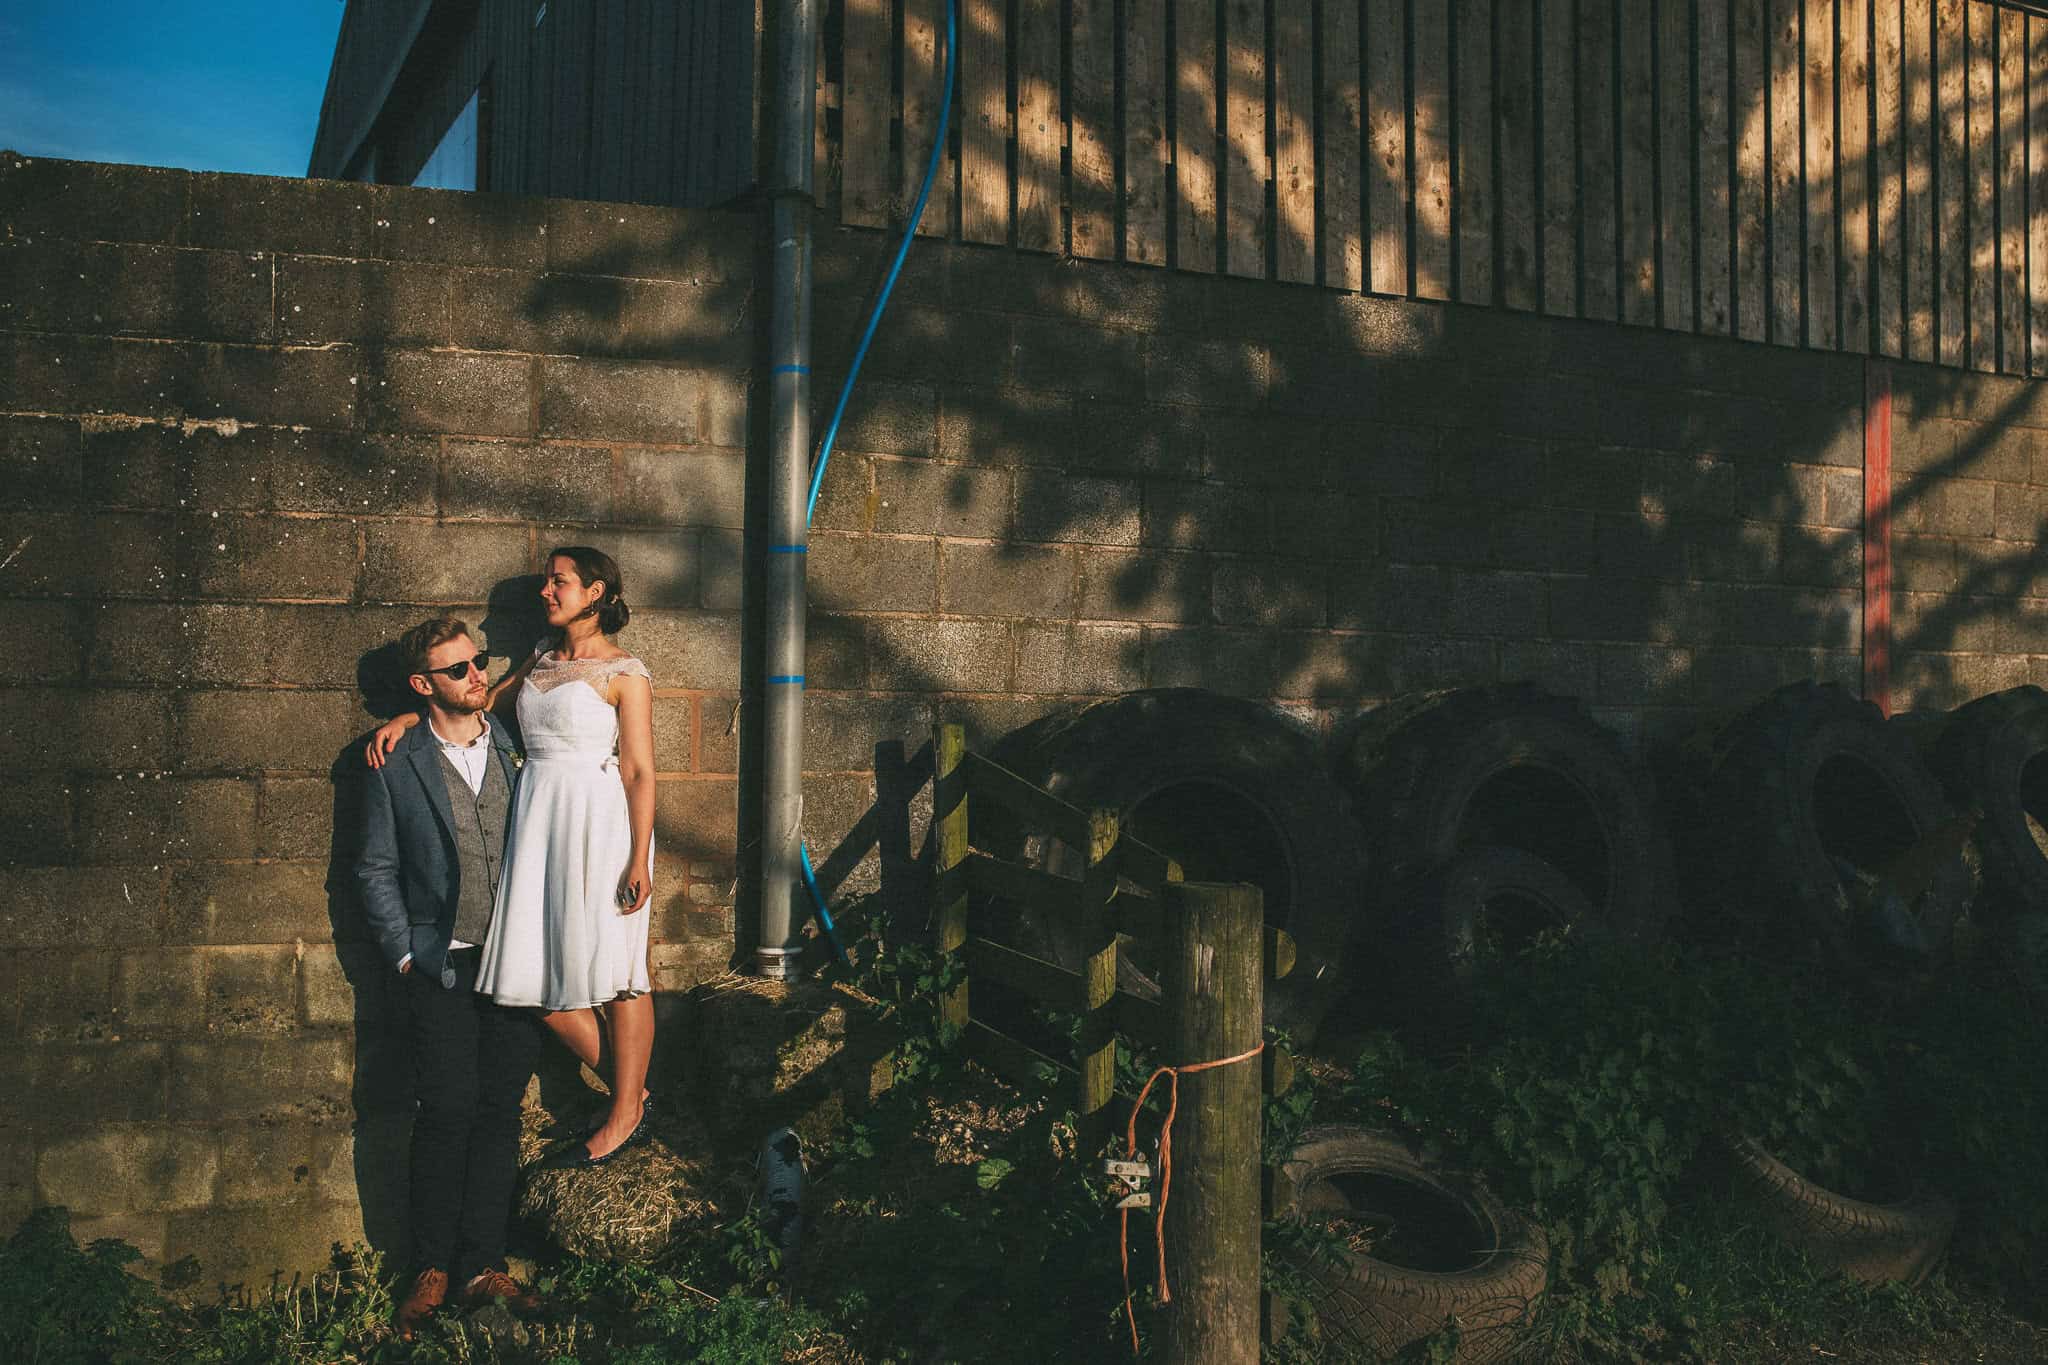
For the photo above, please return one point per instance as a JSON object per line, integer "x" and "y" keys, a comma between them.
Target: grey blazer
{"x": 408, "y": 870}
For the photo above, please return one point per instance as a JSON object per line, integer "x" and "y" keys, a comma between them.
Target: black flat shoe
{"x": 576, "y": 1155}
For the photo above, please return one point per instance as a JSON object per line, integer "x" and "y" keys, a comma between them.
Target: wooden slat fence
{"x": 1859, "y": 175}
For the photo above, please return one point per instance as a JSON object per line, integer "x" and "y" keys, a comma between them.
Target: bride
{"x": 568, "y": 934}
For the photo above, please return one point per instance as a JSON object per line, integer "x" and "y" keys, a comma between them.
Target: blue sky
{"x": 216, "y": 85}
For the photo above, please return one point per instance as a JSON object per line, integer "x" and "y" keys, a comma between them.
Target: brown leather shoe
{"x": 496, "y": 1284}
{"x": 429, "y": 1291}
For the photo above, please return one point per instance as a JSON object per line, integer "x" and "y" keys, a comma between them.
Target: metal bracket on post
{"x": 1126, "y": 1177}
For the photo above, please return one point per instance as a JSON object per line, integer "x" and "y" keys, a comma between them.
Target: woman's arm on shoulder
{"x": 505, "y": 691}
{"x": 633, "y": 694}
{"x": 386, "y": 737}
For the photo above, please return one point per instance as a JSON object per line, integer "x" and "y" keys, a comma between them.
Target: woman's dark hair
{"x": 595, "y": 566}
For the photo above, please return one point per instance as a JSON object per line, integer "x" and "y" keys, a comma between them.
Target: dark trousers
{"x": 471, "y": 1062}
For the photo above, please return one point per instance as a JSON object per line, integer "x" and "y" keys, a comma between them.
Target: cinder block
{"x": 2020, "y": 513}
{"x": 884, "y": 419}
{"x": 708, "y": 324}
{"x": 1435, "y": 532}
{"x": 90, "y": 201}
{"x": 295, "y": 815}
{"x": 1532, "y": 538}
{"x": 1568, "y": 669}
{"x": 1241, "y": 663}
{"x": 1226, "y": 373}
{"x": 264, "y": 1165}
{"x": 732, "y": 418}
{"x": 1594, "y": 479}
{"x": 261, "y": 1080}
{"x": 447, "y": 392}
{"x": 1317, "y": 380}
{"x": 1376, "y": 459}
{"x": 1994, "y": 450}
{"x": 89, "y": 1083}
{"x": 721, "y": 571}
{"x": 696, "y": 818}
{"x": 66, "y": 997}
{"x": 983, "y": 424}
{"x": 1389, "y": 597}
{"x": 1069, "y": 660}
{"x": 454, "y": 227}
{"x": 371, "y": 302}
{"x": 141, "y": 290}
{"x": 179, "y": 380}
{"x": 1271, "y": 592}
{"x": 678, "y": 967}
{"x": 60, "y": 630}
{"x": 684, "y": 488}
{"x": 141, "y": 464}
{"x": 1923, "y": 563}
{"x": 1814, "y": 557}
{"x": 1690, "y": 485}
{"x": 526, "y": 481}
{"x": 1265, "y": 450}
{"x": 1062, "y": 357}
{"x": 348, "y": 983}
{"x": 36, "y": 825}
{"x": 244, "y": 557}
{"x": 847, "y": 500}
{"x": 2021, "y": 626}
{"x": 1203, "y": 516}
{"x": 836, "y": 651}
{"x": 1633, "y": 675}
{"x": 128, "y": 1169}
{"x": 1486, "y": 603}
{"x": 1640, "y": 547}
{"x": 1403, "y": 328}
{"x": 78, "y": 907}
{"x": 324, "y": 646}
{"x": 1054, "y": 506}
{"x": 1119, "y": 585}
{"x": 1329, "y": 525}
{"x": 1593, "y": 609}
{"x": 103, "y": 554}
{"x": 1416, "y": 664}
{"x": 920, "y": 497}
{"x": 251, "y": 991}
{"x": 1734, "y": 551}
{"x": 276, "y": 213}
{"x": 619, "y": 400}
{"x": 250, "y": 903}
{"x": 718, "y": 734}
{"x": 687, "y": 649}
{"x": 160, "y": 993}
{"x": 17, "y": 1179}
{"x": 1475, "y": 467}
{"x": 155, "y": 820}
{"x": 75, "y": 729}
{"x": 673, "y": 724}
{"x": 244, "y": 1246}
{"x": 872, "y": 573}
{"x": 442, "y": 562}
{"x": 840, "y": 733}
{"x": 938, "y": 656}
{"x": 648, "y": 242}
{"x": 1135, "y": 438}
{"x": 986, "y": 580}
{"x": 1327, "y": 669}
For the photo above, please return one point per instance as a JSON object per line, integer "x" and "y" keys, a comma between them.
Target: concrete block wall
{"x": 250, "y": 430}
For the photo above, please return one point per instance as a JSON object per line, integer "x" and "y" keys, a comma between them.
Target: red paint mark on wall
{"x": 1877, "y": 534}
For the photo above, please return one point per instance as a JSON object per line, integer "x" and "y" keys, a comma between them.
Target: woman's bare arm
{"x": 504, "y": 693}
{"x": 634, "y": 696}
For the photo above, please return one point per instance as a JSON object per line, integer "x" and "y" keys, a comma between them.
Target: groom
{"x": 433, "y": 843}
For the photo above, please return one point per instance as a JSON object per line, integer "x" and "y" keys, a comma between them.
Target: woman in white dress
{"x": 568, "y": 934}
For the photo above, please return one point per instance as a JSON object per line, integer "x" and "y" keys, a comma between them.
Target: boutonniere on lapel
{"x": 518, "y": 759}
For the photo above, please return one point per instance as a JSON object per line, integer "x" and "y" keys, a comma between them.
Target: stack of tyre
{"x": 1441, "y": 825}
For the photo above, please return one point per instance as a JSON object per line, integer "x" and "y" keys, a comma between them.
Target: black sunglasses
{"x": 457, "y": 672}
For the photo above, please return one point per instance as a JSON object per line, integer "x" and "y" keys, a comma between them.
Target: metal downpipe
{"x": 789, "y": 437}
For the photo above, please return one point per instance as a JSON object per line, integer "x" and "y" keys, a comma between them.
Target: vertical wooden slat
{"x": 949, "y": 851}
{"x": 2012, "y": 192}
{"x": 1560, "y": 259}
{"x": 864, "y": 115}
{"x": 1095, "y": 1045}
{"x": 1294, "y": 141}
{"x": 1514, "y": 123}
{"x": 1342, "y": 240}
{"x": 985, "y": 113}
{"x": 1247, "y": 169}
{"x": 1852, "y": 76}
{"x": 1888, "y": 142}
{"x": 824, "y": 184}
{"x": 1432, "y": 113}
{"x": 1638, "y": 183}
{"x": 1386, "y": 119}
{"x": 1091, "y": 136}
{"x": 1979, "y": 23}
{"x": 1921, "y": 132}
{"x": 1472, "y": 97}
{"x": 924, "y": 84}
{"x": 1822, "y": 281}
{"x": 1039, "y": 132}
{"x": 1195, "y": 135}
{"x": 1952, "y": 172}
{"x": 1716, "y": 201}
{"x": 2037, "y": 194}
{"x": 1599, "y": 285}
{"x": 1676, "y": 236}
{"x": 1786, "y": 205}
{"x": 1145, "y": 145}
{"x": 1749, "y": 112}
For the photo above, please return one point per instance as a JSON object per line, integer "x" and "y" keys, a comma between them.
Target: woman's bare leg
{"x": 579, "y": 1032}
{"x": 632, "y": 1030}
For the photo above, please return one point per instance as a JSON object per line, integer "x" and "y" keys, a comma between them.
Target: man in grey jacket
{"x": 433, "y": 844}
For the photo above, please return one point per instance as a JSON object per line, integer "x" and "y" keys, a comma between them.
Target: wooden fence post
{"x": 1095, "y": 1049}
{"x": 949, "y": 845}
{"x": 1214, "y": 992}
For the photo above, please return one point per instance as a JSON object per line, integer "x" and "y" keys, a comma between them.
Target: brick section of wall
{"x": 252, "y": 429}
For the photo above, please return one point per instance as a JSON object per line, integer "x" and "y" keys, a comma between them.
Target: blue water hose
{"x": 860, "y": 352}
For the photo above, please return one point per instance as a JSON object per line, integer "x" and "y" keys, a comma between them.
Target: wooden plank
{"x": 1091, "y": 133}
{"x": 1018, "y": 1063}
{"x": 985, "y": 122}
{"x": 2012, "y": 192}
{"x": 1386, "y": 123}
{"x": 1473, "y": 205}
{"x": 1979, "y": 24}
{"x": 1677, "y": 235}
{"x": 1852, "y": 77}
{"x": 1341, "y": 241}
{"x": 1039, "y": 809}
{"x": 1514, "y": 131}
{"x": 1294, "y": 141}
{"x": 1095, "y": 1042}
{"x": 1888, "y": 288}
{"x": 1716, "y": 186}
{"x": 950, "y": 804}
{"x": 1195, "y": 146}
{"x": 1750, "y": 121}
{"x": 1030, "y": 976}
{"x": 1045, "y": 892}
{"x": 1146, "y": 149}
{"x": 824, "y": 163}
{"x": 1821, "y": 303}
{"x": 1952, "y": 170}
{"x": 1039, "y": 128}
{"x": 1920, "y": 134}
{"x": 1432, "y": 114}
{"x": 1787, "y": 201}
{"x": 2037, "y": 194}
{"x": 1247, "y": 167}
{"x": 864, "y": 115}
{"x": 1135, "y": 914}
{"x": 1145, "y": 864}
{"x": 1637, "y": 187}
{"x": 1600, "y": 284}
{"x": 1559, "y": 285}
{"x": 924, "y": 84}
{"x": 1280, "y": 954}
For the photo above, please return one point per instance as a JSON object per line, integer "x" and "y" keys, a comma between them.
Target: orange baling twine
{"x": 1174, "y": 1073}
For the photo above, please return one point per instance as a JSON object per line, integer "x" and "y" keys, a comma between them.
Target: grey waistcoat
{"x": 479, "y": 843}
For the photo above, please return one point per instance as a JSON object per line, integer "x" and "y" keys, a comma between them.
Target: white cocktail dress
{"x": 557, "y": 939}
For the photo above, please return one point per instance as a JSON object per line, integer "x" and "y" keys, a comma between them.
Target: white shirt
{"x": 471, "y": 760}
